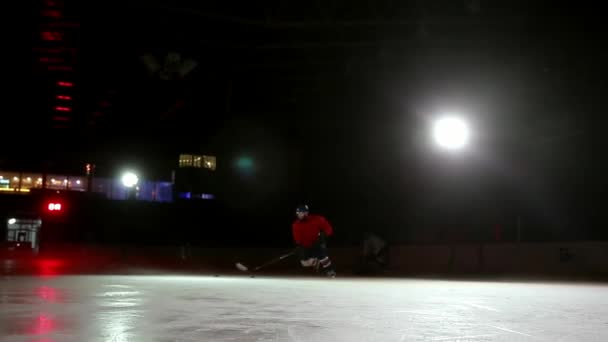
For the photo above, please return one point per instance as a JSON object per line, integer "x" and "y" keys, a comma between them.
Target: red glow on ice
{"x": 63, "y": 109}
{"x": 65, "y": 84}
{"x": 64, "y": 97}
{"x": 48, "y": 294}
{"x": 43, "y": 325}
{"x": 61, "y": 118}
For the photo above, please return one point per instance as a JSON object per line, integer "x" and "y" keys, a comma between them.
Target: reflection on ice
{"x": 118, "y": 326}
{"x": 44, "y": 324}
{"x": 119, "y": 314}
{"x": 48, "y": 294}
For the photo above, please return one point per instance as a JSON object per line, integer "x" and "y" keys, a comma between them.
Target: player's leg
{"x": 307, "y": 258}
{"x": 325, "y": 262}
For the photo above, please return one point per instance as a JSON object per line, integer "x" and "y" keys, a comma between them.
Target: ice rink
{"x": 198, "y": 308}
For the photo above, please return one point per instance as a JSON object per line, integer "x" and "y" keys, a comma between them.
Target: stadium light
{"x": 129, "y": 179}
{"x": 12, "y": 221}
{"x": 451, "y": 133}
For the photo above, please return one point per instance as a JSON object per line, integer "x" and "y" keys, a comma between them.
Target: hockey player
{"x": 375, "y": 255}
{"x": 310, "y": 234}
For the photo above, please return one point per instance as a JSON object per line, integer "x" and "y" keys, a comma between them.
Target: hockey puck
{"x": 252, "y": 276}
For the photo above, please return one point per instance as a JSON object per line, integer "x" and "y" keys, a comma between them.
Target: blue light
{"x": 185, "y": 195}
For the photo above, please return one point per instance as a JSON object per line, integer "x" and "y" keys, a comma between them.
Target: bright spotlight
{"x": 12, "y": 221}
{"x": 451, "y": 133}
{"x": 129, "y": 179}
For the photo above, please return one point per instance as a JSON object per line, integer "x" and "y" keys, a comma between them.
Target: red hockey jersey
{"x": 306, "y": 231}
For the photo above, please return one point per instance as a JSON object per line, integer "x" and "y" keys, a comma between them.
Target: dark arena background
{"x": 149, "y": 179}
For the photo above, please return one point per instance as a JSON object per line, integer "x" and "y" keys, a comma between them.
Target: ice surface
{"x": 172, "y": 308}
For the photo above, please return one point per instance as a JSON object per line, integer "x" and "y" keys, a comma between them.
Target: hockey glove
{"x": 322, "y": 240}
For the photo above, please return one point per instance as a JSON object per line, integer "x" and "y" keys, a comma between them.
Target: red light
{"x": 63, "y": 109}
{"x": 48, "y": 268}
{"x": 65, "y": 84}
{"x": 54, "y": 207}
{"x": 64, "y": 97}
{"x": 51, "y": 60}
{"x": 51, "y": 35}
{"x": 59, "y": 68}
{"x": 51, "y": 13}
{"x": 61, "y": 118}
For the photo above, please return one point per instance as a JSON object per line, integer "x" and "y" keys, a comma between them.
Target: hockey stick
{"x": 244, "y": 268}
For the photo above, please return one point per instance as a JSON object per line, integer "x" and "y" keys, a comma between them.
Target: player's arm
{"x": 326, "y": 228}
{"x": 296, "y": 235}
